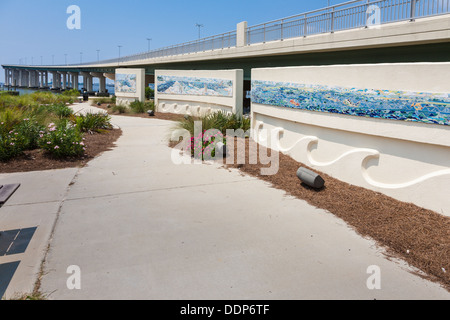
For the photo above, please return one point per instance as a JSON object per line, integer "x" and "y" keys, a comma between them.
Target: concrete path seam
{"x": 157, "y": 189}
{"x": 37, "y": 283}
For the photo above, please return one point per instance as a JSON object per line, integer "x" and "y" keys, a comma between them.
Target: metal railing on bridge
{"x": 221, "y": 41}
{"x": 345, "y": 16}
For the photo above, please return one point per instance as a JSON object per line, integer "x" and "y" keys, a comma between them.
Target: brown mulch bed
{"x": 158, "y": 115}
{"x": 37, "y": 160}
{"x": 416, "y": 235}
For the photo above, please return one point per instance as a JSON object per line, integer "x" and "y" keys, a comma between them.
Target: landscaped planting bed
{"x": 39, "y": 131}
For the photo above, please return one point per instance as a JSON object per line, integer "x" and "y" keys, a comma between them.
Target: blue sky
{"x": 33, "y": 29}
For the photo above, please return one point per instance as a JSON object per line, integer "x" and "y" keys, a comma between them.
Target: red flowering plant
{"x": 203, "y": 146}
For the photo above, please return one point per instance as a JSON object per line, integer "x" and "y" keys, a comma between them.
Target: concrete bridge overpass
{"x": 355, "y": 32}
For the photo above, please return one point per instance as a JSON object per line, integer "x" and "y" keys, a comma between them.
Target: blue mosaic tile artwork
{"x": 385, "y": 104}
{"x": 194, "y": 86}
{"x": 126, "y": 83}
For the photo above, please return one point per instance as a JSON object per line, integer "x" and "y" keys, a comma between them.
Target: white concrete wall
{"x": 406, "y": 160}
{"x": 126, "y": 98}
{"x": 198, "y": 104}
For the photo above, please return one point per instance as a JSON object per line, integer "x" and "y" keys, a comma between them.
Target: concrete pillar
{"x": 35, "y": 79}
{"x": 20, "y": 78}
{"x": 30, "y": 79}
{"x": 102, "y": 85}
{"x": 46, "y": 79}
{"x": 54, "y": 80}
{"x": 87, "y": 81}
{"x": 102, "y": 81}
{"x": 90, "y": 84}
{"x": 13, "y": 78}
{"x": 42, "y": 79}
{"x": 8, "y": 78}
{"x": 64, "y": 80}
{"x": 24, "y": 78}
{"x": 75, "y": 80}
{"x": 241, "y": 34}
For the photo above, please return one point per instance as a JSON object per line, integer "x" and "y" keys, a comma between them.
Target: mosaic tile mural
{"x": 396, "y": 105}
{"x": 126, "y": 83}
{"x": 194, "y": 86}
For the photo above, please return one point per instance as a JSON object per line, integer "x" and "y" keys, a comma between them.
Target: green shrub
{"x": 72, "y": 93}
{"x": 149, "y": 105}
{"x": 12, "y": 144}
{"x": 219, "y": 120}
{"x": 63, "y": 140}
{"x": 204, "y": 145}
{"x": 34, "y": 100}
{"x": 103, "y": 100}
{"x": 10, "y": 118}
{"x": 61, "y": 110}
{"x": 119, "y": 108}
{"x": 149, "y": 93}
{"x": 30, "y": 130}
{"x": 92, "y": 122}
{"x": 137, "y": 107}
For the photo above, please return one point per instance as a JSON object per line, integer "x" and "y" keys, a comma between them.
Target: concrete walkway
{"x": 140, "y": 227}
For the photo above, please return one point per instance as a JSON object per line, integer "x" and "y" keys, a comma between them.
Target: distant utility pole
{"x": 149, "y": 39}
{"x": 119, "y": 54}
{"x": 199, "y": 26}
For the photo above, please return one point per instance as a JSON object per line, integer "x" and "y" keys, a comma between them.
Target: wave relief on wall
{"x": 194, "y": 86}
{"x": 385, "y": 104}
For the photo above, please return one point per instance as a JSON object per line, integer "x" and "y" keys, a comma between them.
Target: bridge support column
{"x": 9, "y": 77}
{"x": 63, "y": 85}
{"x": 36, "y": 79}
{"x": 30, "y": 79}
{"x": 102, "y": 81}
{"x": 42, "y": 79}
{"x": 54, "y": 80}
{"x": 14, "y": 78}
{"x": 20, "y": 78}
{"x": 85, "y": 80}
{"x": 74, "y": 76}
{"x": 25, "y": 78}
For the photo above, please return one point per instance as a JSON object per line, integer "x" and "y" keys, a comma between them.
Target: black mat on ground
{"x": 7, "y": 271}
{"x": 15, "y": 241}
